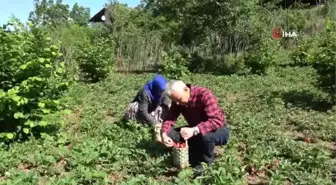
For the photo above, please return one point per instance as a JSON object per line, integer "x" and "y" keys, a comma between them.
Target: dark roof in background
{"x": 98, "y": 16}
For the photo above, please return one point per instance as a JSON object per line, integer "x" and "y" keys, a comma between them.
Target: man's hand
{"x": 187, "y": 132}
{"x": 166, "y": 140}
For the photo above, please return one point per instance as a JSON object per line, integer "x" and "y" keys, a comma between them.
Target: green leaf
{"x": 10, "y": 136}
{"x": 29, "y": 123}
{"x": 41, "y": 105}
{"x": 38, "y": 79}
{"x": 99, "y": 174}
{"x": 26, "y": 130}
{"x": 41, "y": 60}
{"x": 46, "y": 111}
{"x": 24, "y": 101}
{"x": 23, "y": 67}
{"x": 12, "y": 91}
{"x": 59, "y": 70}
{"x": 62, "y": 122}
{"x": 54, "y": 53}
{"x": 24, "y": 83}
{"x": 2, "y": 94}
{"x": 16, "y": 98}
{"x": 18, "y": 115}
{"x": 43, "y": 123}
{"x": 67, "y": 111}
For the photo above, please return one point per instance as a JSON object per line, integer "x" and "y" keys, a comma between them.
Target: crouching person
{"x": 150, "y": 104}
{"x": 207, "y": 126}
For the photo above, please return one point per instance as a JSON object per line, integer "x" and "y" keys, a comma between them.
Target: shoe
{"x": 198, "y": 170}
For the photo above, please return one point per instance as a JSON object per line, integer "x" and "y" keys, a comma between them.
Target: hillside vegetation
{"x": 64, "y": 86}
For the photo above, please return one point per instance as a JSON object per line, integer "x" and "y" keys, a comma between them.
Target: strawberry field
{"x": 63, "y": 93}
{"x": 282, "y": 132}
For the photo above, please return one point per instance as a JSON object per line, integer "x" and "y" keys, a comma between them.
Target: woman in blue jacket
{"x": 150, "y": 104}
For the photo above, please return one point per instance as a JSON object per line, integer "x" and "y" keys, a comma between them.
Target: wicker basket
{"x": 181, "y": 156}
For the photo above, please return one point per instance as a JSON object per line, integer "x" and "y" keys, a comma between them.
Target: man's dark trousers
{"x": 201, "y": 148}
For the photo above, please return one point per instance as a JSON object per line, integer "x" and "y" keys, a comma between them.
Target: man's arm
{"x": 216, "y": 117}
{"x": 143, "y": 109}
{"x": 170, "y": 118}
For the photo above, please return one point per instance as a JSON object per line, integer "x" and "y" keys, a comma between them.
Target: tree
{"x": 80, "y": 15}
{"x": 58, "y": 14}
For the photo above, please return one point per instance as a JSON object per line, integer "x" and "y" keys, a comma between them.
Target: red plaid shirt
{"x": 202, "y": 110}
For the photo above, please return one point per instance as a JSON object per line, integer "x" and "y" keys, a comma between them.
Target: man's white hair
{"x": 174, "y": 85}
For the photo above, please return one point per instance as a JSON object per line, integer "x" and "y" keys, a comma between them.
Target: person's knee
{"x": 220, "y": 137}
{"x": 226, "y": 135}
{"x": 207, "y": 138}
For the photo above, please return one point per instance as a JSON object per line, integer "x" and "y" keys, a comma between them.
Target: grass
{"x": 282, "y": 132}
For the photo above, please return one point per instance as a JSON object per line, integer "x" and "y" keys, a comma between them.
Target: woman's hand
{"x": 166, "y": 140}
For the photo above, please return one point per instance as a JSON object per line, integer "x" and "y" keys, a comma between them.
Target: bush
{"x": 263, "y": 56}
{"x": 32, "y": 80}
{"x": 322, "y": 58}
{"x": 299, "y": 55}
{"x": 174, "y": 65}
{"x": 218, "y": 64}
{"x": 72, "y": 37}
{"x": 96, "y": 60}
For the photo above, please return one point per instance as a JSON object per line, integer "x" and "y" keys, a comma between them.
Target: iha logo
{"x": 278, "y": 33}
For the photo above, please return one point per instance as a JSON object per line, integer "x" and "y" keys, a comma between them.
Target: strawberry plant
{"x": 265, "y": 146}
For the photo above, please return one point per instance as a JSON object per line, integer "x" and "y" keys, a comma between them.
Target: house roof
{"x": 98, "y": 16}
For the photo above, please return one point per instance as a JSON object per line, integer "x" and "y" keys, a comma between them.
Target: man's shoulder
{"x": 200, "y": 90}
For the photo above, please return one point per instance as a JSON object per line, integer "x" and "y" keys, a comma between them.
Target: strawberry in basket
{"x": 181, "y": 154}
{"x": 179, "y": 145}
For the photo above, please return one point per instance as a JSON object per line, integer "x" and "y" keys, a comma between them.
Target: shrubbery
{"x": 323, "y": 58}
{"x": 299, "y": 55}
{"x": 259, "y": 59}
{"x": 32, "y": 80}
{"x": 96, "y": 60}
{"x": 320, "y": 52}
{"x": 174, "y": 65}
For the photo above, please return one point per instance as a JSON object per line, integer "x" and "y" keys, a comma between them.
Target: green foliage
{"x": 319, "y": 52}
{"x": 72, "y": 38}
{"x": 32, "y": 81}
{"x": 292, "y": 20}
{"x": 96, "y": 60}
{"x": 55, "y": 14}
{"x": 174, "y": 65}
{"x": 300, "y": 54}
{"x": 80, "y": 15}
{"x": 220, "y": 65}
{"x": 323, "y": 58}
{"x": 259, "y": 59}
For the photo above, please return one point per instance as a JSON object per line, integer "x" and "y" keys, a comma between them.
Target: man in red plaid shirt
{"x": 207, "y": 125}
